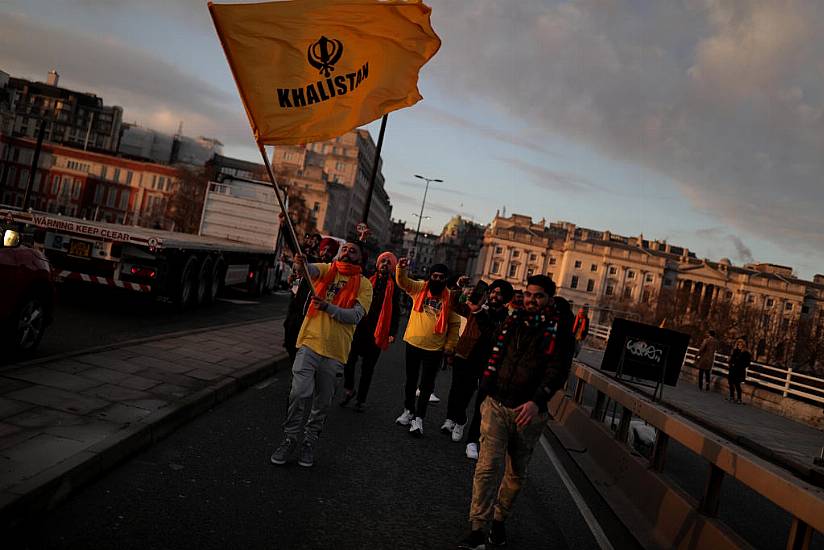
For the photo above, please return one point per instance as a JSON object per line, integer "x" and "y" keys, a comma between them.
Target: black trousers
{"x": 423, "y": 364}
{"x": 370, "y": 354}
{"x": 473, "y": 435}
{"x": 702, "y": 375}
{"x": 735, "y": 388}
{"x": 465, "y": 378}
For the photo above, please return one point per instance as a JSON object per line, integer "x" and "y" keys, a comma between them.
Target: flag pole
{"x": 289, "y": 225}
{"x": 378, "y": 148}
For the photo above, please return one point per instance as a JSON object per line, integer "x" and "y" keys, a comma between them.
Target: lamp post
{"x": 423, "y": 203}
{"x": 417, "y": 232}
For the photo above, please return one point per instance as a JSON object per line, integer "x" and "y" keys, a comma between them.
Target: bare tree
{"x": 186, "y": 203}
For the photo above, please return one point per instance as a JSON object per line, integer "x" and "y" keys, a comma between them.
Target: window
{"x": 647, "y": 295}
{"x": 499, "y": 250}
{"x": 516, "y": 253}
{"x": 129, "y": 177}
{"x": 728, "y": 295}
{"x": 788, "y": 306}
{"x": 37, "y": 182}
{"x": 610, "y": 290}
{"x": 574, "y": 282}
{"x": 630, "y": 274}
{"x": 769, "y": 303}
{"x": 154, "y": 181}
{"x": 785, "y": 323}
{"x": 648, "y": 278}
{"x": 124, "y": 200}
{"x": 590, "y": 285}
{"x": 613, "y": 270}
{"x": 116, "y": 176}
{"x": 98, "y": 194}
{"x": 628, "y": 292}
{"x": 530, "y": 272}
{"x": 553, "y": 260}
{"x": 750, "y": 299}
{"x": 24, "y": 179}
{"x": 577, "y": 264}
{"x": 169, "y": 184}
{"x": 496, "y": 267}
{"x": 76, "y": 186}
{"x": 513, "y": 270}
{"x": 160, "y": 182}
{"x": 111, "y": 198}
{"x": 549, "y": 274}
{"x": 593, "y": 267}
{"x": 340, "y": 166}
{"x": 532, "y": 257}
{"x": 104, "y": 172}
{"x": 66, "y": 187}
{"x": 12, "y": 171}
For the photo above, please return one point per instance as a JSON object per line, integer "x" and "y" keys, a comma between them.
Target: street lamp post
{"x": 423, "y": 203}
{"x": 415, "y": 245}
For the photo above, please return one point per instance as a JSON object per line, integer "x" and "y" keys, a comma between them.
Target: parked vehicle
{"x": 26, "y": 295}
{"x": 237, "y": 246}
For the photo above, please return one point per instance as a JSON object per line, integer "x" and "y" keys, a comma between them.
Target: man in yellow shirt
{"x": 342, "y": 297}
{"x": 431, "y": 332}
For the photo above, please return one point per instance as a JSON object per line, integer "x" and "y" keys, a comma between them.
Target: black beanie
{"x": 506, "y": 289}
{"x": 439, "y": 268}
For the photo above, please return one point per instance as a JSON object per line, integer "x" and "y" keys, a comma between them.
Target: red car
{"x": 26, "y": 296}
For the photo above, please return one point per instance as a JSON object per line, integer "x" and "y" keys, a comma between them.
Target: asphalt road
{"x": 756, "y": 519}
{"x": 90, "y": 315}
{"x": 210, "y": 485}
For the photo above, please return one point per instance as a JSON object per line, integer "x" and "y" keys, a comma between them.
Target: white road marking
{"x": 589, "y": 517}
{"x": 238, "y": 302}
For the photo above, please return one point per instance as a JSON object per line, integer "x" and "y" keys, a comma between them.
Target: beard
{"x": 436, "y": 287}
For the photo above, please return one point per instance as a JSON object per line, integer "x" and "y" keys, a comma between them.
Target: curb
{"x": 133, "y": 342}
{"x": 807, "y": 472}
{"x": 49, "y": 488}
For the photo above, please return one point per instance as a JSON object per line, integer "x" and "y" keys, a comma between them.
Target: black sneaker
{"x": 497, "y": 534}
{"x": 474, "y": 540}
{"x": 359, "y": 407}
{"x": 307, "y": 455}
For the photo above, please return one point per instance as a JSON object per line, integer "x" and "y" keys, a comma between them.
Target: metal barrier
{"x": 776, "y": 379}
{"x": 676, "y": 519}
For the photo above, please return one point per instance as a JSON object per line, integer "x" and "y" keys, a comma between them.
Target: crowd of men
{"x": 511, "y": 349}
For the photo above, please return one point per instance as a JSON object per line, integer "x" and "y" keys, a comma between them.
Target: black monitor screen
{"x": 646, "y": 350}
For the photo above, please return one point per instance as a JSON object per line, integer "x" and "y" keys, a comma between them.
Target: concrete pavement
{"x": 64, "y": 421}
{"x": 778, "y": 439}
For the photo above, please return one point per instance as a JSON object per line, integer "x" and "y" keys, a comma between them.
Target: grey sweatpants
{"x": 315, "y": 380}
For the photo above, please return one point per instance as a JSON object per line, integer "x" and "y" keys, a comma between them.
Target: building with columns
{"x": 619, "y": 275}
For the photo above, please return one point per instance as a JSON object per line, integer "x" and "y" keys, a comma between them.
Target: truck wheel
{"x": 209, "y": 275}
{"x": 202, "y": 282}
{"x": 29, "y": 324}
{"x": 187, "y": 285}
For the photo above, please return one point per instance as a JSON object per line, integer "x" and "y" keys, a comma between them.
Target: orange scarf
{"x": 385, "y": 318}
{"x": 440, "y": 326}
{"x": 347, "y": 296}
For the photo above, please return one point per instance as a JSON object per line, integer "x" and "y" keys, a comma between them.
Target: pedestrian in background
{"x": 431, "y": 332}
{"x": 342, "y": 297}
{"x": 375, "y": 332}
{"x": 529, "y": 363}
{"x": 705, "y": 359}
{"x": 740, "y": 361}
{"x": 580, "y": 328}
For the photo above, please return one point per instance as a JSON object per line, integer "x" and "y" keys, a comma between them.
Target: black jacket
{"x": 365, "y": 332}
{"x": 739, "y": 363}
{"x": 535, "y": 358}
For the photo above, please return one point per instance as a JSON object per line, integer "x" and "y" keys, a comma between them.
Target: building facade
{"x": 459, "y": 244}
{"x": 635, "y": 277}
{"x": 93, "y": 186}
{"x": 151, "y": 145}
{"x": 333, "y": 176}
{"x": 75, "y": 119}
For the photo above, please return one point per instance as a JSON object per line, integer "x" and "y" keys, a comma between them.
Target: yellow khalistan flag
{"x": 311, "y": 70}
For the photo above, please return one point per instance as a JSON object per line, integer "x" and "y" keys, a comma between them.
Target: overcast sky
{"x": 695, "y": 121}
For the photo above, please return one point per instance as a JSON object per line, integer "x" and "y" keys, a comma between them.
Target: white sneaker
{"x": 405, "y": 418}
{"x": 434, "y": 398}
{"x": 416, "y": 427}
{"x": 457, "y": 432}
{"x": 472, "y": 451}
{"x": 448, "y": 425}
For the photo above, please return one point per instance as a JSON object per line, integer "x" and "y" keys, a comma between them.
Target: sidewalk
{"x": 64, "y": 421}
{"x": 783, "y": 441}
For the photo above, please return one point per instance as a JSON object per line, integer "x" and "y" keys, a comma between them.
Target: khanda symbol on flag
{"x": 320, "y": 56}
{"x": 298, "y": 88}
